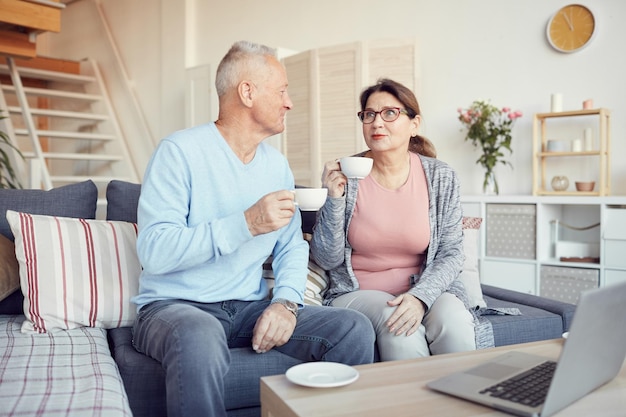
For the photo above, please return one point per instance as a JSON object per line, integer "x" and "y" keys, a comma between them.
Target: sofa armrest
{"x": 565, "y": 310}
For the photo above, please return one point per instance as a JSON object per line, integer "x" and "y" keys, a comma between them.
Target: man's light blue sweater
{"x": 194, "y": 243}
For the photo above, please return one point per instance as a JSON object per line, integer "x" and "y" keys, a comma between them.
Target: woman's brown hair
{"x": 417, "y": 144}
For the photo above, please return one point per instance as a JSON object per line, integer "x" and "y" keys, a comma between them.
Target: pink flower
{"x": 505, "y": 109}
{"x": 515, "y": 115}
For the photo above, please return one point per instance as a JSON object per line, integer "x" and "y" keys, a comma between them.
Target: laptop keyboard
{"x": 529, "y": 388}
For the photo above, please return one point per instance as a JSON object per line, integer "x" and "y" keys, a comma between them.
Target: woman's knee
{"x": 449, "y": 326}
{"x": 398, "y": 347}
{"x": 448, "y": 308}
{"x": 371, "y": 303}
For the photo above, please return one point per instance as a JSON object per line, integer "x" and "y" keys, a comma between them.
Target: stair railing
{"x": 30, "y": 124}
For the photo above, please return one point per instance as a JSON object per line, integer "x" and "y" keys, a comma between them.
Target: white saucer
{"x": 322, "y": 374}
{"x": 565, "y": 335}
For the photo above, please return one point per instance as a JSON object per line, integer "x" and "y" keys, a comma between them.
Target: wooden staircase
{"x": 63, "y": 122}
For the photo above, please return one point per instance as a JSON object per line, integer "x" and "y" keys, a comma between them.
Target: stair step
{"x": 45, "y": 92}
{"x": 50, "y": 75}
{"x": 67, "y": 135}
{"x": 61, "y": 113}
{"x": 77, "y": 156}
{"x": 77, "y": 107}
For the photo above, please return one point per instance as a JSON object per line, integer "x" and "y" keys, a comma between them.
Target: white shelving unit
{"x": 518, "y": 242}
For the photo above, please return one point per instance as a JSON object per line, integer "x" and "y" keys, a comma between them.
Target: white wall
{"x": 480, "y": 49}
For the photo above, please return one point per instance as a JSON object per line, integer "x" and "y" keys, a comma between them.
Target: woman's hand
{"x": 333, "y": 179}
{"x": 408, "y": 316}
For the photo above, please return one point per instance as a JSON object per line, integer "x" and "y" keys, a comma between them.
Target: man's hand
{"x": 271, "y": 212}
{"x": 408, "y": 316}
{"x": 273, "y": 328}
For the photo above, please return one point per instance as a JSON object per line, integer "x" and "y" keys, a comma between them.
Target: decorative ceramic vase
{"x": 490, "y": 184}
{"x": 559, "y": 183}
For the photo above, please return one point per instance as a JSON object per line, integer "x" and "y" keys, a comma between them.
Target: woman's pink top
{"x": 389, "y": 232}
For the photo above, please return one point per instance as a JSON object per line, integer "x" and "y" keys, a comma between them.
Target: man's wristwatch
{"x": 289, "y": 305}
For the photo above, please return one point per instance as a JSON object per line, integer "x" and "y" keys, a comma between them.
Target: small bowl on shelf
{"x": 585, "y": 185}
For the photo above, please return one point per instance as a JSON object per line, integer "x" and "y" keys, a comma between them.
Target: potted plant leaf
{"x": 8, "y": 174}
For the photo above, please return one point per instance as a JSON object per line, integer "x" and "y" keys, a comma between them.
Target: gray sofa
{"x": 143, "y": 377}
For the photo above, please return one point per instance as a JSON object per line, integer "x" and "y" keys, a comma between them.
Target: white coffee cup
{"x": 356, "y": 166}
{"x": 310, "y": 199}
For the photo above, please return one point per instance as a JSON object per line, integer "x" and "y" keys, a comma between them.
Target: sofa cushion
{"x": 532, "y": 325}
{"x": 564, "y": 310}
{"x": 75, "y": 272}
{"x": 74, "y": 200}
{"x": 68, "y": 373}
{"x": 9, "y": 271}
{"x": 122, "y": 200}
{"x": 144, "y": 377}
{"x": 13, "y": 304}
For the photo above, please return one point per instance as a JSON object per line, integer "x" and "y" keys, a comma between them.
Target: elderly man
{"x": 215, "y": 203}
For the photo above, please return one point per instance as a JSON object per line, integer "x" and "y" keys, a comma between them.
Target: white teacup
{"x": 310, "y": 199}
{"x": 356, "y": 166}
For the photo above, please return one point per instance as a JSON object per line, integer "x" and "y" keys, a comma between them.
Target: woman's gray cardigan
{"x": 331, "y": 250}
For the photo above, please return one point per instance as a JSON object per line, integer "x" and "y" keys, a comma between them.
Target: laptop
{"x": 592, "y": 355}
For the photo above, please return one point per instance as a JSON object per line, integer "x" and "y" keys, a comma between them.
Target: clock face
{"x": 571, "y": 28}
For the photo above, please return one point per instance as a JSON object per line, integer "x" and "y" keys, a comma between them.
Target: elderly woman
{"x": 392, "y": 242}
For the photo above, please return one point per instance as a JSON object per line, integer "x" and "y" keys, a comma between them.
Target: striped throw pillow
{"x": 75, "y": 272}
{"x": 316, "y": 282}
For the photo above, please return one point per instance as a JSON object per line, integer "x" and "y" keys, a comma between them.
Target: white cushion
{"x": 75, "y": 272}
{"x": 470, "y": 276}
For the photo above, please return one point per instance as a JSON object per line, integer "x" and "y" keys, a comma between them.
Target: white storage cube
{"x": 565, "y": 284}
{"x": 612, "y": 276}
{"x": 511, "y": 230}
{"x": 615, "y": 223}
{"x": 615, "y": 253}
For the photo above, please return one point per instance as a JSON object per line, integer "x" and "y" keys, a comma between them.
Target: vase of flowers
{"x": 489, "y": 128}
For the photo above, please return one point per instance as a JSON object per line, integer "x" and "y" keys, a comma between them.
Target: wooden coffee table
{"x": 399, "y": 389}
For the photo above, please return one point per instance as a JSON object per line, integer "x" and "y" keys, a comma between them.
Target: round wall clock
{"x": 571, "y": 28}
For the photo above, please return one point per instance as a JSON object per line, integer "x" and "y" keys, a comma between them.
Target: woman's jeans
{"x": 192, "y": 341}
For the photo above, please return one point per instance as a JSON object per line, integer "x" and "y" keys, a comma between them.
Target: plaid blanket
{"x": 66, "y": 373}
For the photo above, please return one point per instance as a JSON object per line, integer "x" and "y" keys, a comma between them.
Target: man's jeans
{"x": 192, "y": 342}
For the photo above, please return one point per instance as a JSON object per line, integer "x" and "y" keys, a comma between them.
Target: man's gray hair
{"x": 243, "y": 57}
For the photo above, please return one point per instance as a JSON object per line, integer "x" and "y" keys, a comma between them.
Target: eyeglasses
{"x": 388, "y": 114}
